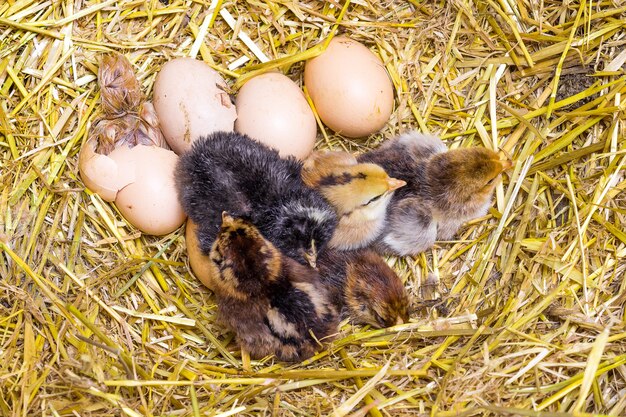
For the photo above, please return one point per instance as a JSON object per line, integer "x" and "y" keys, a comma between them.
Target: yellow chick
{"x": 359, "y": 192}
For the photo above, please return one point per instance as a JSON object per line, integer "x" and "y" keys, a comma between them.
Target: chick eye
{"x": 490, "y": 182}
{"x": 380, "y": 320}
{"x": 373, "y": 199}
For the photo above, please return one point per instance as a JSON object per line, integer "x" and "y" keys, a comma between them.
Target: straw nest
{"x": 522, "y": 315}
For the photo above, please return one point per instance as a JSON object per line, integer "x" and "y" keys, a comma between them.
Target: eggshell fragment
{"x": 272, "y": 109}
{"x": 150, "y": 202}
{"x": 190, "y": 100}
{"x": 101, "y": 173}
{"x": 198, "y": 261}
{"x": 350, "y": 88}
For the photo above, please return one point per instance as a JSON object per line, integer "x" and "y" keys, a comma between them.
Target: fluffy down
{"x": 365, "y": 287}
{"x": 359, "y": 193}
{"x": 444, "y": 189}
{"x": 228, "y": 171}
{"x": 273, "y": 304}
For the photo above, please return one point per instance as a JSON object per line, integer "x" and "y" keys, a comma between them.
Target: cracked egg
{"x": 140, "y": 180}
{"x": 190, "y": 99}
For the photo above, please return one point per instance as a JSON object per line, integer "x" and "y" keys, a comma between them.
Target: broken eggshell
{"x": 100, "y": 173}
{"x": 150, "y": 203}
{"x": 140, "y": 180}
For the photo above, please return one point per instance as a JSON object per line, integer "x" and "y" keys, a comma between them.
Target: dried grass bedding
{"x": 521, "y": 315}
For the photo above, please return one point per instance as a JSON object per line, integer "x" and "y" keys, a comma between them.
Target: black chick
{"x": 444, "y": 189}
{"x": 365, "y": 287}
{"x": 228, "y": 171}
{"x": 272, "y": 303}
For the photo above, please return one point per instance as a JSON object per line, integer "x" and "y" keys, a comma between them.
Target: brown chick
{"x": 132, "y": 129}
{"x": 365, "y": 287}
{"x": 444, "y": 189}
{"x": 127, "y": 119}
{"x": 359, "y": 193}
{"x": 120, "y": 91}
{"x": 272, "y": 303}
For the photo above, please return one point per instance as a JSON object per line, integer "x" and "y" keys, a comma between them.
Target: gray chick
{"x": 445, "y": 188}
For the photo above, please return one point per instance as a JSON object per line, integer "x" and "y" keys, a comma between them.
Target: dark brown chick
{"x": 272, "y": 303}
{"x": 359, "y": 193}
{"x": 365, "y": 287}
{"x": 444, "y": 189}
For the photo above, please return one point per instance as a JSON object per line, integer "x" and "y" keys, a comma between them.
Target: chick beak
{"x": 505, "y": 160}
{"x": 506, "y": 164}
{"x": 311, "y": 255}
{"x": 226, "y": 218}
{"x": 394, "y": 183}
{"x": 399, "y": 320}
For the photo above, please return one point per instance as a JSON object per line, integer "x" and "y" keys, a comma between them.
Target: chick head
{"x": 349, "y": 186}
{"x": 321, "y": 163}
{"x": 242, "y": 259}
{"x": 305, "y": 226}
{"x": 375, "y": 294}
{"x": 463, "y": 179}
{"x": 120, "y": 92}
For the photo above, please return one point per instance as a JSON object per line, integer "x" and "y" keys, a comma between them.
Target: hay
{"x": 522, "y": 315}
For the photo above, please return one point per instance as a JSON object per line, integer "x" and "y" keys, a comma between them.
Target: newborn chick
{"x": 362, "y": 283}
{"x": 228, "y": 171}
{"x": 126, "y": 119}
{"x": 359, "y": 193}
{"x": 444, "y": 189}
{"x": 272, "y": 303}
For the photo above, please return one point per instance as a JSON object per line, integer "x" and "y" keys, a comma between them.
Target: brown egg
{"x": 272, "y": 109}
{"x": 350, "y": 88}
{"x": 198, "y": 261}
{"x": 190, "y": 100}
{"x": 149, "y": 202}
